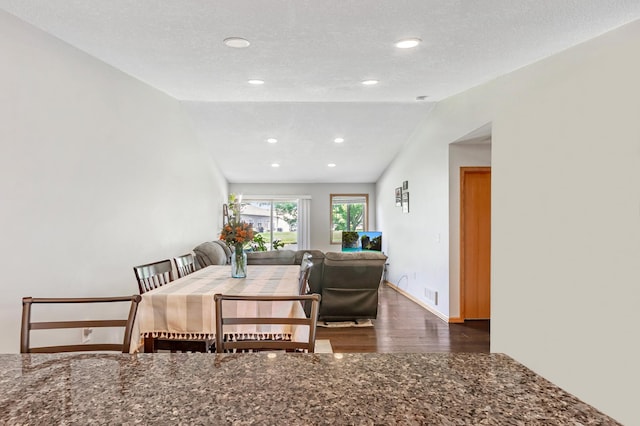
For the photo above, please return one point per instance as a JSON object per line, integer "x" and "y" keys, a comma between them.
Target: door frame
{"x": 463, "y": 172}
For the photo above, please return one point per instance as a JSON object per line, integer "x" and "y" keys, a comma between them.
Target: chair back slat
{"x": 185, "y": 264}
{"x": 50, "y": 325}
{"x": 97, "y": 347}
{"x": 153, "y": 275}
{"x": 259, "y": 343}
{"x": 126, "y": 324}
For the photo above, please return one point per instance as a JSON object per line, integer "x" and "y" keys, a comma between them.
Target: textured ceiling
{"x": 312, "y": 56}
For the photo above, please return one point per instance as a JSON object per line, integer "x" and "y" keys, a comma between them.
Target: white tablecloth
{"x": 184, "y": 308}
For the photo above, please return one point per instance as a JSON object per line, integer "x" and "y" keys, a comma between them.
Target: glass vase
{"x": 238, "y": 263}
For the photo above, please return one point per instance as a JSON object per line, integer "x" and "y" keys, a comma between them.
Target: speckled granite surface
{"x": 288, "y": 389}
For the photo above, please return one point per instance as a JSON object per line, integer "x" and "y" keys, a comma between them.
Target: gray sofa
{"x": 347, "y": 282}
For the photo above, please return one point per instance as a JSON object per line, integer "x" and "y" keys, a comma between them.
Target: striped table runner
{"x": 184, "y": 309}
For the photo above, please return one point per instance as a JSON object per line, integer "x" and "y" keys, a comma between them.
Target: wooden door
{"x": 475, "y": 242}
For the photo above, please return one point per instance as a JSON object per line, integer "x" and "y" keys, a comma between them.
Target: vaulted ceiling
{"x": 313, "y": 57}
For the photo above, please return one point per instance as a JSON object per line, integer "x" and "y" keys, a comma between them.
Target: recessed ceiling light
{"x": 338, "y": 140}
{"x": 256, "y": 82}
{"x": 331, "y": 165}
{"x": 275, "y": 165}
{"x": 272, "y": 140}
{"x": 236, "y": 42}
{"x": 370, "y": 82}
{"x": 421, "y": 98}
{"x": 408, "y": 43}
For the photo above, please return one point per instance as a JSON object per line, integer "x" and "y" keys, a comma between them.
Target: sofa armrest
{"x": 210, "y": 253}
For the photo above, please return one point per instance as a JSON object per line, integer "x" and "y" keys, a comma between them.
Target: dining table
{"x": 185, "y": 309}
{"x": 283, "y": 389}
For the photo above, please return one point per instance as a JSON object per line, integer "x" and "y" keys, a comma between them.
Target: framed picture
{"x": 398, "y": 196}
{"x": 405, "y": 202}
{"x": 405, "y": 185}
{"x": 225, "y": 214}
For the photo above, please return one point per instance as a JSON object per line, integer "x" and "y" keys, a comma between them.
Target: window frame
{"x": 272, "y": 200}
{"x": 365, "y": 196}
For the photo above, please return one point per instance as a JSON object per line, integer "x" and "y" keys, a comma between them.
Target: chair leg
{"x": 149, "y": 345}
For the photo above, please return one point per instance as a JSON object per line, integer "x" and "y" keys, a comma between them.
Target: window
{"x": 348, "y": 213}
{"x": 274, "y": 221}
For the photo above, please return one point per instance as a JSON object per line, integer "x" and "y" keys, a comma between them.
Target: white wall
{"x": 418, "y": 242}
{"x": 566, "y": 170}
{"x": 320, "y": 204}
{"x": 98, "y": 173}
{"x": 565, "y": 214}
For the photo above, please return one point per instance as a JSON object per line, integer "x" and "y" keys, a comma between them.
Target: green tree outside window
{"x": 348, "y": 213}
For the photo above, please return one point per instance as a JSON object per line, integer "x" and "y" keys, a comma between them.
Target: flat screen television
{"x": 361, "y": 241}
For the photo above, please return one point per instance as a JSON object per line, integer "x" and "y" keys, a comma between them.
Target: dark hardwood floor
{"x": 404, "y": 326}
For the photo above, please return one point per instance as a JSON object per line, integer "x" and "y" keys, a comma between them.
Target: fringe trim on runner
{"x": 182, "y": 336}
{"x": 229, "y": 337}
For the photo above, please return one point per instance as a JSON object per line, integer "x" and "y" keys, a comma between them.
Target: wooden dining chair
{"x": 305, "y": 271}
{"x": 255, "y": 342}
{"x": 153, "y": 275}
{"x": 125, "y": 323}
{"x": 185, "y": 264}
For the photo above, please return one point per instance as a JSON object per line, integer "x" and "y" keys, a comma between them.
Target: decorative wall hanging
{"x": 405, "y": 202}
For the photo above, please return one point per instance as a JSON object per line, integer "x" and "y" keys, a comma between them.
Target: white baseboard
{"x": 418, "y": 301}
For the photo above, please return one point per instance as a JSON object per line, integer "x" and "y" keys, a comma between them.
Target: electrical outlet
{"x": 431, "y": 295}
{"x": 86, "y": 334}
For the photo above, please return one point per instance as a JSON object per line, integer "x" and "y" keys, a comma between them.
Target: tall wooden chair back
{"x": 125, "y": 323}
{"x": 185, "y": 264}
{"x": 258, "y": 342}
{"x": 153, "y": 275}
{"x": 305, "y": 271}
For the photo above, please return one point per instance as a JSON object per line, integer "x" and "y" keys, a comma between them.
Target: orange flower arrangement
{"x": 237, "y": 233}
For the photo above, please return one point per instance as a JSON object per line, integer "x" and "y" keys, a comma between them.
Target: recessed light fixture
{"x": 421, "y": 98}
{"x": 331, "y": 165}
{"x": 408, "y": 43}
{"x": 255, "y": 82}
{"x": 275, "y": 165}
{"x": 338, "y": 140}
{"x": 236, "y": 42}
{"x": 370, "y": 82}
{"x": 272, "y": 140}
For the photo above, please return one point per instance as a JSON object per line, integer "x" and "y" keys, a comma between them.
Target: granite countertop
{"x": 283, "y": 389}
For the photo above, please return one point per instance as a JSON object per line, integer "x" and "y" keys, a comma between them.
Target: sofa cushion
{"x": 359, "y": 258}
{"x": 274, "y": 257}
{"x": 210, "y": 253}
